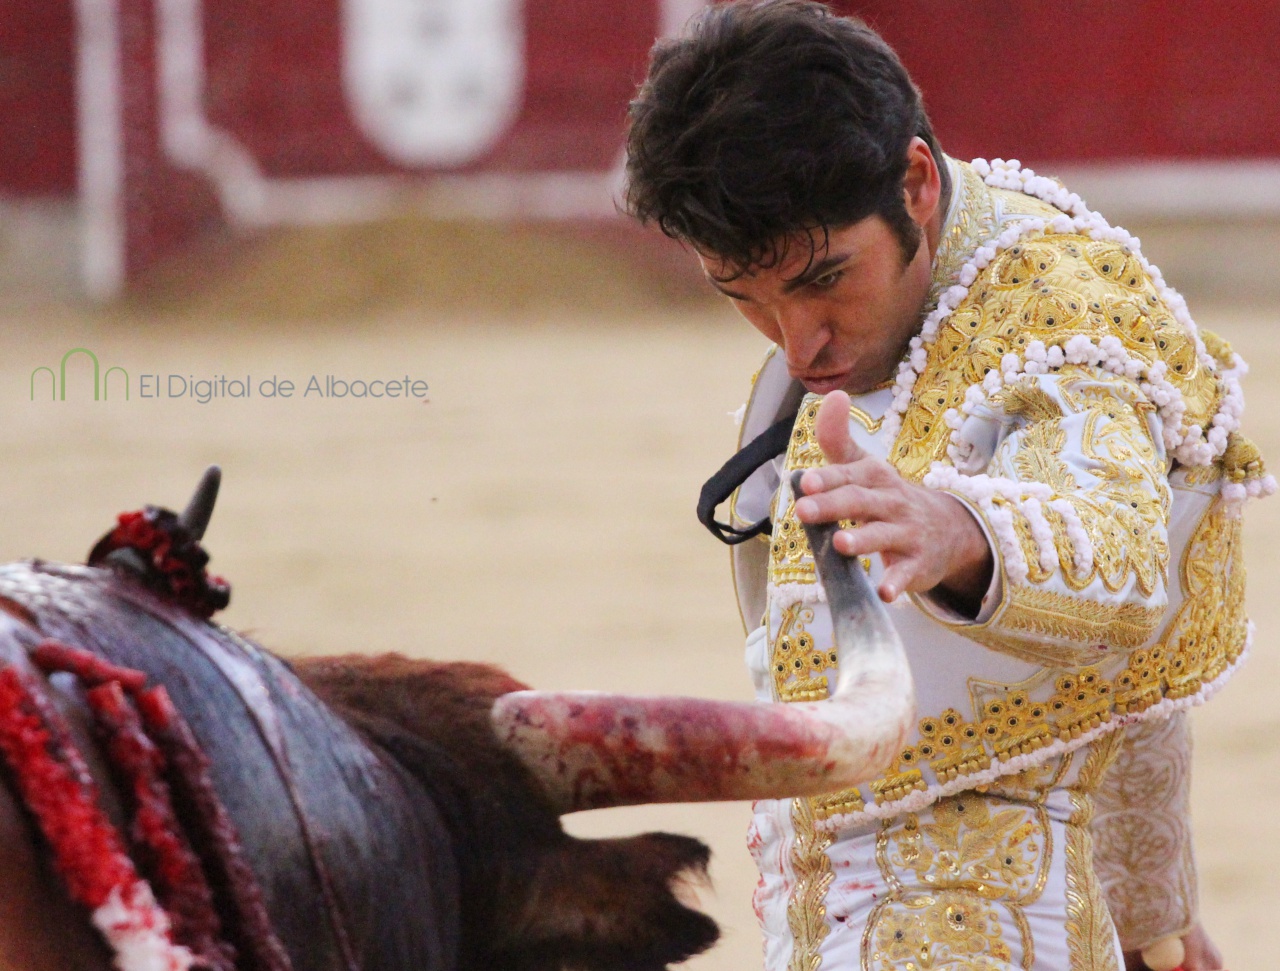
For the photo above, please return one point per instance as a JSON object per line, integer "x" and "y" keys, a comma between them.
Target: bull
{"x": 175, "y": 796}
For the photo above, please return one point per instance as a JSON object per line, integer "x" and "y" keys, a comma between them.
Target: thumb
{"x": 831, "y": 428}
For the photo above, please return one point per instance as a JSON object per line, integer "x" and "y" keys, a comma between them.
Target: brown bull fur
{"x": 534, "y": 898}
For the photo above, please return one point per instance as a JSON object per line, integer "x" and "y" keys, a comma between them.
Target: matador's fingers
{"x": 897, "y": 579}
{"x": 863, "y": 540}
{"x": 866, "y": 472}
{"x": 849, "y": 501}
{"x": 831, "y": 428}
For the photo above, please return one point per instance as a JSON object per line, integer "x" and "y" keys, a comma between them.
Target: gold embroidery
{"x": 1099, "y": 756}
{"x": 899, "y": 941}
{"x": 1023, "y": 264}
{"x": 1027, "y": 399}
{"x": 898, "y": 785}
{"x": 1206, "y": 635}
{"x": 1031, "y": 785}
{"x": 1142, "y": 836}
{"x": 1090, "y": 932}
{"x": 952, "y": 746}
{"x": 1209, "y": 630}
{"x": 1024, "y": 932}
{"x": 1045, "y": 613}
{"x": 1242, "y": 459}
{"x": 803, "y": 451}
{"x": 1141, "y": 522}
{"x": 1072, "y": 295}
{"x": 791, "y": 560}
{"x": 882, "y": 855}
{"x": 978, "y": 844}
{"x": 1011, "y": 720}
{"x": 872, "y": 425}
{"x": 806, "y": 912}
{"x": 1109, "y": 438}
{"x": 1218, "y": 348}
{"x": 794, "y": 656}
{"x": 1109, "y": 540}
{"x": 1036, "y": 571}
{"x": 959, "y": 926}
{"x": 956, "y": 875}
{"x": 1123, "y": 511}
{"x": 1111, "y": 401}
{"x": 1116, "y": 264}
{"x": 973, "y": 222}
{"x": 946, "y": 930}
{"x": 1011, "y": 723}
{"x": 1037, "y": 458}
{"x": 798, "y": 670}
{"x": 1130, "y": 317}
{"x": 1198, "y": 475}
{"x": 837, "y": 804}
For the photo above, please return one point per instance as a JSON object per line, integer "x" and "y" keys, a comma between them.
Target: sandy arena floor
{"x": 536, "y": 512}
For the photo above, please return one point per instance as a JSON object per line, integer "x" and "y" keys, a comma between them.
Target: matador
{"x": 1036, "y": 453}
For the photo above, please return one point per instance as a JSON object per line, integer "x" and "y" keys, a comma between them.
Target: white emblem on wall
{"x": 434, "y": 82}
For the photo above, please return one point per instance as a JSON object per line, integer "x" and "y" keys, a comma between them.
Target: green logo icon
{"x": 58, "y": 382}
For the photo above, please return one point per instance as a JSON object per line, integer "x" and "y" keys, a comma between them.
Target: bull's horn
{"x": 200, "y": 509}
{"x": 592, "y": 750}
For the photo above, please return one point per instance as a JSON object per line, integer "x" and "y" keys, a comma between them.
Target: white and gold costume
{"x": 1060, "y": 390}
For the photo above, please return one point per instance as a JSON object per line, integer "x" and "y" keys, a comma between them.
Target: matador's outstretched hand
{"x": 928, "y": 540}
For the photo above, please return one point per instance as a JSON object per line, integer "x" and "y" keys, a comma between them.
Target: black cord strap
{"x": 766, "y": 446}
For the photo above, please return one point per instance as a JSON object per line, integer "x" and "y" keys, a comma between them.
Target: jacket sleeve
{"x": 1142, "y": 848}
{"x": 1067, "y": 471}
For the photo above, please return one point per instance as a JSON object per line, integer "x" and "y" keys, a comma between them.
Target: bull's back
{"x": 353, "y": 863}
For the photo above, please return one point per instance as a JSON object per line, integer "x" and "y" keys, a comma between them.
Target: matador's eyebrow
{"x": 811, "y": 273}
{"x": 731, "y": 294}
{"x": 815, "y": 270}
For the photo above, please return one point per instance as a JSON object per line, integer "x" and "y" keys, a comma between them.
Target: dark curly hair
{"x": 767, "y": 121}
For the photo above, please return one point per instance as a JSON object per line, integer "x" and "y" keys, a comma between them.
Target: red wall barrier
{"x": 272, "y": 96}
{"x": 37, "y": 97}
{"x": 275, "y": 82}
{"x": 1092, "y": 80}
{"x": 163, "y": 205}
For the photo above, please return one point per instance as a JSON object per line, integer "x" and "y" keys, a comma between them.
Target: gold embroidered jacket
{"x": 1119, "y": 590}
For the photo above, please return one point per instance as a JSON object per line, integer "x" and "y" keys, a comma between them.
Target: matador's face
{"x": 843, "y": 312}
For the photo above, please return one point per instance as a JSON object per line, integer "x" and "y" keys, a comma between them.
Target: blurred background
{"x": 215, "y": 197}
